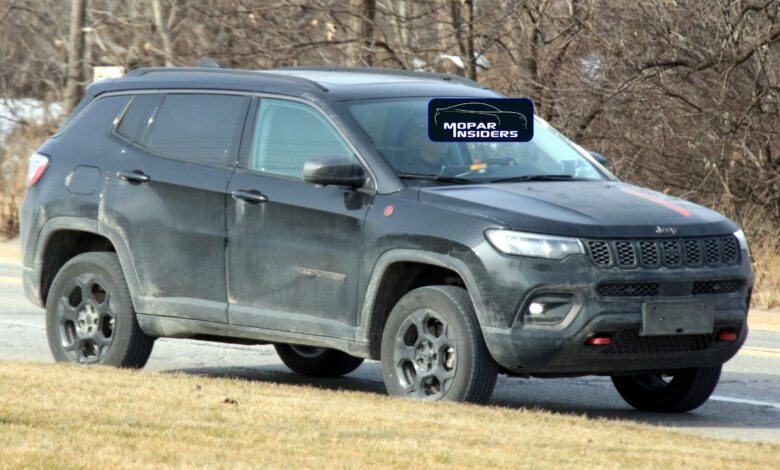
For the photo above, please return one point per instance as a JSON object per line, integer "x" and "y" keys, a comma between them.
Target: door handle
{"x": 250, "y": 196}
{"x": 133, "y": 176}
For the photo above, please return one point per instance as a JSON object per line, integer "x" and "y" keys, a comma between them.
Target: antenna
{"x": 208, "y": 62}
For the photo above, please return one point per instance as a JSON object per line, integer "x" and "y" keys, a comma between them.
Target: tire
{"x": 688, "y": 389}
{"x": 317, "y": 362}
{"x": 90, "y": 317}
{"x": 432, "y": 348}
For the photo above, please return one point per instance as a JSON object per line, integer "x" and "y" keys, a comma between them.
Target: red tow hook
{"x": 727, "y": 335}
{"x": 599, "y": 341}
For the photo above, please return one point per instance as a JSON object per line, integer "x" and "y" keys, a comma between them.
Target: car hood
{"x": 581, "y": 209}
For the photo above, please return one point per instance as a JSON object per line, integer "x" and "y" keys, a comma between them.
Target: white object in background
{"x": 103, "y": 72}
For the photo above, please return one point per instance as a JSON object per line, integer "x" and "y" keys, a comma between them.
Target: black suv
{"x": 307, "y": 208}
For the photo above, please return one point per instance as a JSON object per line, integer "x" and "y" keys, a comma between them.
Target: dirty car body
{"x": 240, "y": 249}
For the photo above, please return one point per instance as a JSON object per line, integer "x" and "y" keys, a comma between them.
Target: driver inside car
{"x": 421, "y": 155}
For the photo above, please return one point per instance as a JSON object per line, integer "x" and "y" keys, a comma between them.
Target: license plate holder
{"x": 677, "y": 318}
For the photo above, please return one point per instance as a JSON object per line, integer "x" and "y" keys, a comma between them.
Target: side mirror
{"x": 603, "y": 161}
{"x": 335, "y": 172}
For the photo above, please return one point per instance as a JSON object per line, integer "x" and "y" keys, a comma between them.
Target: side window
{"x": 288, "y": 134}
{"x": 198, "y": 128}
{"x": 98, "y": 115}
{"x": 134, "y": 115}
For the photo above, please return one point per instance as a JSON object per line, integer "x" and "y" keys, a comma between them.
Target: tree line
{"x": 681, "y": 95}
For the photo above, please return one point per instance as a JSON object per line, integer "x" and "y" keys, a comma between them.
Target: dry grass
{"x": 67, "y": 416}
{"x": 10, "y": 251}
{"x": 766, "y": 266}
{"x": 760, "y": 319}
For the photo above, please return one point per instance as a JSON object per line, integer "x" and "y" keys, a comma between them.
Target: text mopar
{"x": 480, "y": 130}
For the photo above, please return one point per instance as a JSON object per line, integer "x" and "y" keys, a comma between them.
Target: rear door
{"x": 294, "y": 248}
{"x": 166, "y": 196}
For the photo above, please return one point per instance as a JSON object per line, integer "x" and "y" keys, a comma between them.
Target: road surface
{"x": 746, "y": 404}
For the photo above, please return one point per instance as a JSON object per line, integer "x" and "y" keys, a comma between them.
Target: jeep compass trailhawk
{"x": 307, "y": 208}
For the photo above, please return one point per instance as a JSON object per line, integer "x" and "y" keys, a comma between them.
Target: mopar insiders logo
{"x": 480, "y": 120}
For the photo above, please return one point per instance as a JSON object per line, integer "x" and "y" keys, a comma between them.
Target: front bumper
{"x": 566, "y": 352}
{"x": 525, "y": 348}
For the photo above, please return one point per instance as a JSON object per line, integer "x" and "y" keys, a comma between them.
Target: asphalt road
{"x": 746, "y": 404}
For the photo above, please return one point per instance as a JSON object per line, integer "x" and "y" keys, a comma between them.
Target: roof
{"x": 337, "y": 83}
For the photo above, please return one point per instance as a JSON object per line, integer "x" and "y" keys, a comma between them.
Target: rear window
{"x": 198, "y": 128}
{"x": 134, "y": 115}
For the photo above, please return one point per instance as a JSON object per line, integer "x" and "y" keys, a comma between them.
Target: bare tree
{"x": 164, "y": 23}
{"x": 682, "y": 95}
{"x": 75, "y": 74}
{"x": 366, "y": 32}
{"x": 462, "y": 17}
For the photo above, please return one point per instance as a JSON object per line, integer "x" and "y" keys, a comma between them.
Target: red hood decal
{"x": 663, "y": 202}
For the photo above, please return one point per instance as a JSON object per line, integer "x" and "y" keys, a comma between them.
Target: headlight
{"x": 743, "y": 242}
{"x": 532, "y": 244}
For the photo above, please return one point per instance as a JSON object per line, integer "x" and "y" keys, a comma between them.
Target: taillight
{"x": 36, "y": 168}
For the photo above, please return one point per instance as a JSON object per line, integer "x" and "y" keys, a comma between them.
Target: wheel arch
{"x": 63, "y": 238}
{"x": 399, "y": 271}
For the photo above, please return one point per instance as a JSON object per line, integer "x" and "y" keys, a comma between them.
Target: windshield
{"x": 398, "y": 129}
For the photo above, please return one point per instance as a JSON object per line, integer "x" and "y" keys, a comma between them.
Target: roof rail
{"x": 389, "y": 71}
{"x": 247, "y": 73}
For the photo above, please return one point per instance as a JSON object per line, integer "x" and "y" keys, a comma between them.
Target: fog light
{"x": 548, "y": 308}
{"x": 535, "y": 308}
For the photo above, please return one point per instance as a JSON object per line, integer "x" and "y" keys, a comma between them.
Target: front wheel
{"x": 677, "y": 392}
{"x": 432, "y": 348}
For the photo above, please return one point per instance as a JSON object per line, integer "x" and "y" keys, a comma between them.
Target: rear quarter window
{"x": 198, "y": 128}
{"x": 98, "y": 116}
{"x": 87, "y": 140}
{"x": 134, "y": 115}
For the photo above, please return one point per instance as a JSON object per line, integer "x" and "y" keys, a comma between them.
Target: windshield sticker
{"x": 480, "y": 120}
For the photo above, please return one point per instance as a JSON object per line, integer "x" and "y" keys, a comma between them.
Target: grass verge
{"x": 10, "y": 251}
{"x": 68, "y": 416}
{"x": 767, "y": 320}
{"x": 766, "y": 268}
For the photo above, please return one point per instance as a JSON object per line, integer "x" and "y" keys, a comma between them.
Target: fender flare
{"x": 79, "y": 224}
{"x": 363, "y": 333}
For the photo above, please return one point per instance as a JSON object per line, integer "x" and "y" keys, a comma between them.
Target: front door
{"x": 294, "y": 248}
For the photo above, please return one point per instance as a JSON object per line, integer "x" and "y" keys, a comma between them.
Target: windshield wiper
{"x": 516, "y": 179}
{"x": 443, "y": 179}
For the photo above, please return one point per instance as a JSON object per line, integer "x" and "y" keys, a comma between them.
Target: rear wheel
{"x": 317, "y": 362}
{"x": 678, "y": 392}
{"x": 90, "y": 317}
{"x": 432, "y": 348}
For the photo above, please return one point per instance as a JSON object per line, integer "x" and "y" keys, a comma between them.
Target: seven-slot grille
{"x": 669, "y": 253}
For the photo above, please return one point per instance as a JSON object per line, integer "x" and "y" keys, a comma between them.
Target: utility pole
{"x": 75, "y": 70}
